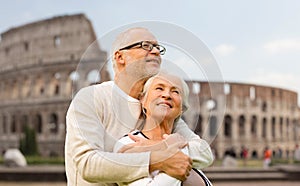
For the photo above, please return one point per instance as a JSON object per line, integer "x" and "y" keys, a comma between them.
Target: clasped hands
{"x": 166, "y": 154}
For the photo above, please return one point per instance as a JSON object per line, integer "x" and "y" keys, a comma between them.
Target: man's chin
{"x": 153, "y": 69}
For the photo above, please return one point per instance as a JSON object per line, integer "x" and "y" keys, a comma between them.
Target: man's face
{"x": 141, "y": 62}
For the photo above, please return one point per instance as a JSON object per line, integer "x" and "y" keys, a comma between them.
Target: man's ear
{"x": 119, "y": 58}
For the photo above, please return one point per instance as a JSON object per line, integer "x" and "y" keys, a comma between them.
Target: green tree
{"x": 28, "y": 144}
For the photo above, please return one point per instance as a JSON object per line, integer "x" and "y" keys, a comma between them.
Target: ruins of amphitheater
{"x": 38, "y": 69}
{"x": 39, "y": 73}
{"x": 245, "y": 115}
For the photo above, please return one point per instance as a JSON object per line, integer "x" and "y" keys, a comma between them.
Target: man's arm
{"x": 85, "y": 144}
{"x": 199, "y": 149}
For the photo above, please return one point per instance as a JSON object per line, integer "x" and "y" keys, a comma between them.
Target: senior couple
{"x": 159, "y": 148}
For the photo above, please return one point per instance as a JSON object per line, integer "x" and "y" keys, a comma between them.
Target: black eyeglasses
{"x": 146, "y": 45}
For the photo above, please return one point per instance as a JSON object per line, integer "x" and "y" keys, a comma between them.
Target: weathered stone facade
{"x": 254, "y": 117}
{"x": 38, "y": 72}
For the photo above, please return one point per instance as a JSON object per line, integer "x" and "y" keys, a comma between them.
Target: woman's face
{"x": 163, "y": 99}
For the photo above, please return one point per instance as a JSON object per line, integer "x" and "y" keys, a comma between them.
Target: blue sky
{"x": 253, "y": 41}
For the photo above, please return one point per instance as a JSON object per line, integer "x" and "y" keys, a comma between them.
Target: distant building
{"x": 38, "y": 64}
{"x": 245, "y": 115}
{"x": 40, "y": 67}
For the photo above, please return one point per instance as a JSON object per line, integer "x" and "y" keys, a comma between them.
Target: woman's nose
{"x": 166, "y": 94}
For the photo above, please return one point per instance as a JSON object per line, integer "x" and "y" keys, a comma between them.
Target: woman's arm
{"x": 199, "y": 149}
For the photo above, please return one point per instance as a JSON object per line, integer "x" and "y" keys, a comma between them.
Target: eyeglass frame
{"x": 152, "y": 45}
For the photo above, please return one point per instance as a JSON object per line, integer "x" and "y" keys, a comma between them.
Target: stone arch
{"x": 281, "y": 127}
{"x": 2, "y": 90}
{"x": 295, "y": 129}
{"x": 264, "y": 106}
{"x": 273, "y": 128}
{"x": 287, "y": 127}
{"x": 14, "y": 93}
{"x": 54, "y": 84}
{"x": 228, "y": 126}
{"x": 242, "y": 128}
{"x": 213, "y": 126}
{"x": 53, "y": 123}
{"x": 38, "y": 123}
{"x": 39, "y": 86}
{"x": 4, "y": 124}
{"x": 13, "y": 125}
{"x": 198, "y": 129}
{"x": 253, "y": 126}
{"x": 26, "y": 87}
{"x": 264, "y": 127}
{"x": 5, "y": 90}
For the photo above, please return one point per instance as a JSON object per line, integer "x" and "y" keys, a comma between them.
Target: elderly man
{"x": 99, "y": 115}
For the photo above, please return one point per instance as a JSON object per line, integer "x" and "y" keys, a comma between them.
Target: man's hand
{"x": 143, "y": 145}
{"x": 166, "y": 154}
{"x": 172, "y": 161}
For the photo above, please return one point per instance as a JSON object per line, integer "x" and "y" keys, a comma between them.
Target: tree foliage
{"x": 28, "y": 144}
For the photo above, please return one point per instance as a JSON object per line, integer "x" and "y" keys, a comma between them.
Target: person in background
{"x": 100, "y": 114}
{"x": 267, "y": 157}
{"x": 297, "y": 153}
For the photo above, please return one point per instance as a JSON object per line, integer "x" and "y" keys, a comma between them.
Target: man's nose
{"x": 155, "y": 51}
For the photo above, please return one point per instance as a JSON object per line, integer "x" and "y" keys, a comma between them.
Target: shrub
{"x": 28, "y": 144}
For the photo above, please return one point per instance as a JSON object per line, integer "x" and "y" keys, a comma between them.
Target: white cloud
{"x": 224, "y": 49}
{"x": 282, "y": 46}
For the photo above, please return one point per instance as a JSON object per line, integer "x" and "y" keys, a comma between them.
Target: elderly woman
{"x": 164, "y": 99}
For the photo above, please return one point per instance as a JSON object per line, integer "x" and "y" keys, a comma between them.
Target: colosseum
{"x": 39, "y": 71}
{"x": 245, "y": 116}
